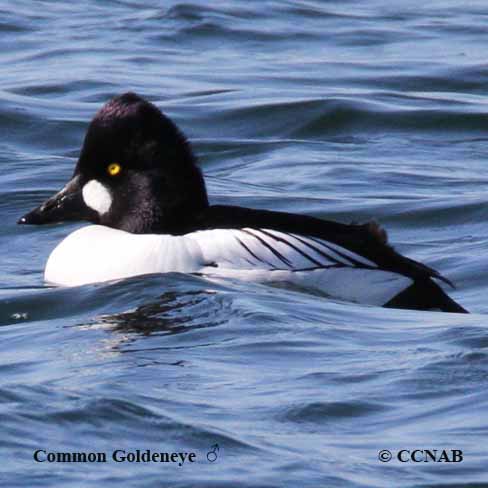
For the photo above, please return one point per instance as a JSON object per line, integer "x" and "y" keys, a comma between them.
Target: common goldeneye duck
{"x": 138, "y": 181}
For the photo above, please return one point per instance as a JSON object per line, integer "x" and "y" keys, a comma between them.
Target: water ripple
{"x": 348, "y": 111}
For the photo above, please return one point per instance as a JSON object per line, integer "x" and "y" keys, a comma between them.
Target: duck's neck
{"x": 170, "y": 209}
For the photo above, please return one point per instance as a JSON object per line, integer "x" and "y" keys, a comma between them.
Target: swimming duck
{"x": 138, "y": 182}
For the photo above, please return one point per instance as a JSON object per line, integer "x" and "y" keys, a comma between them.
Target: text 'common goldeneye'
{"x": 138, "y": 181}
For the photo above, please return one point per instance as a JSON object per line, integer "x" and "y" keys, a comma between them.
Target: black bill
{"x": 67, "y": 204}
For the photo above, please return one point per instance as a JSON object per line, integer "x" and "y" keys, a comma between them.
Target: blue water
{"x": 346, "y": 110}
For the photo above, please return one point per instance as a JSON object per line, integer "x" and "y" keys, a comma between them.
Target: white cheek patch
{"x": 97, "y": 197}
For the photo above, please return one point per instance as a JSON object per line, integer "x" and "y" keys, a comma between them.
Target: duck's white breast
{"x": 97, "y": 253}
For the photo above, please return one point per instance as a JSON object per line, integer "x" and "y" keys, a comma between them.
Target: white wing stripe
{"x": 255, "y": 256}
{"x": 344, "y": 253}
{"x": 249, "y": 248}
{"x": 264, "y": 242}
{"x": 325, "y": 252}
{"x": 281, "y": 238}
{"x": 328, "y": 245}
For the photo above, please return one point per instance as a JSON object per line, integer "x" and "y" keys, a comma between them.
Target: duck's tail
{"x": 425, "y": 295}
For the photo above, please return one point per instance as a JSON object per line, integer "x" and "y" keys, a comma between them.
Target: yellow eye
{"x": 113, "y": 169}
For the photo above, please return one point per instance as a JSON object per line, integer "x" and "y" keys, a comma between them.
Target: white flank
{"x": 97, "y": 197}
{"x": 370, "y": 286}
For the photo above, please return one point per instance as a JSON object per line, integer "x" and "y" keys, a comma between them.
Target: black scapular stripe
{"x": 271, "y": 248}
{"x": 318, "y": 251}
{"x": 252, "y": 254}
{"x": 289, "y": 244}
{"x": 353, "y": 261}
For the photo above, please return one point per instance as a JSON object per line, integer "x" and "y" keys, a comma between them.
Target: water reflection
{"x": 172, "y": 313}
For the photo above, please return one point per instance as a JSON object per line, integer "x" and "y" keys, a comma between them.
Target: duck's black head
{"x": 136, "y": 172}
